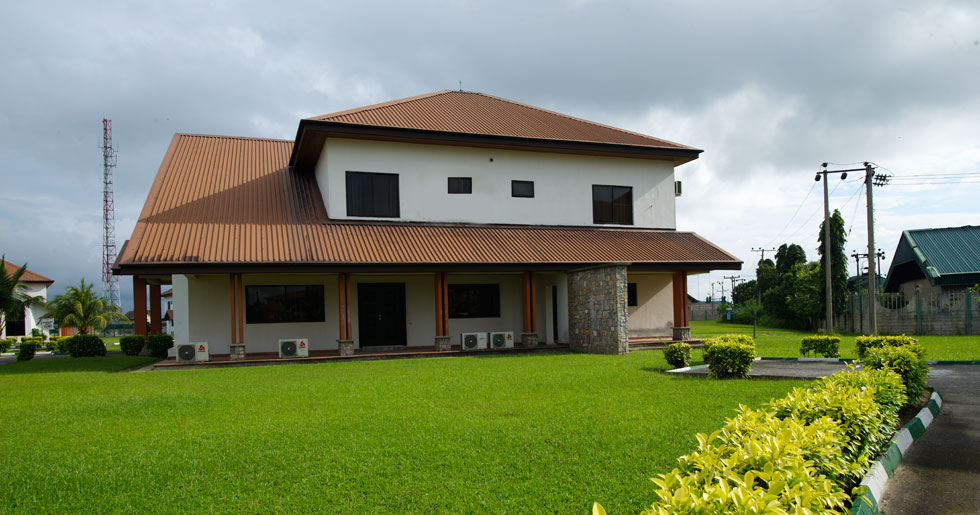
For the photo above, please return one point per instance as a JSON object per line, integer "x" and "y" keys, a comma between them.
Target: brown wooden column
{"x": 442, "y": 303}
{"x": 139, "y": 305}
{"x": 687, "y": 302}
{"x": 525, "y": 304}
{"x": 529, "y": 332}
{"x": 681, "y": 330}
{"x": 239, "y": 296}
{"x": 156, "y": 327}
{"x": 345, "y": 344}
{"x": 233, "y": 309}
{"x": 533, "y": 299}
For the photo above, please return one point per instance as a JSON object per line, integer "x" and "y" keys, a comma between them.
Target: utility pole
{"x": 732, "y": 278}
{"x": 857, "y": 263}
{"x": 758, "y": 286}
{"x": 826, "y": 239}
{"x": 110, "y": 283}
{"x": 763, "y": 252}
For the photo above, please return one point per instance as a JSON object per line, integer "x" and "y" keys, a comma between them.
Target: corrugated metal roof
{"x": 950, "y": 250}
{"x": 221, "y": 200}
{"x": 28, "y": 276}
{"x": 477, "y": 113}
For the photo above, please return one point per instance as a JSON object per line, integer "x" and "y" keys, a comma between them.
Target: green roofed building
{"x": 936, "y": 260}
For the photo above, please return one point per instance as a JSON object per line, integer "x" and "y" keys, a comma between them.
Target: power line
{"x": 792, "y": 217}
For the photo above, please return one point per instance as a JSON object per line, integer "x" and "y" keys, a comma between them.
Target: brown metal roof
{"x": 28, "y": 276}
{"x": 478, "y": 113}
{"x": 223, "y": 200}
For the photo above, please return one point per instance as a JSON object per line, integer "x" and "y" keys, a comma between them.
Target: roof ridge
{"x": 221, "y": 136}
{"x": 374, "y": 107}
{"x": 577, "y": 119}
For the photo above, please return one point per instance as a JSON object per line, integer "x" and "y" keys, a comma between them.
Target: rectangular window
{"x": 460, "y": 185}
{"x": 279, "y": 304}
{"x": 631, "y": 294}
{"x": 612, "y": 205}
{"x": 372, "y": 194}
{"x": 474, "y": 301}
{"x": 522, "y": 189}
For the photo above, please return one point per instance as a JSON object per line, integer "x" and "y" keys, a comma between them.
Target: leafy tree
{"x": 744, "y": 292}
{"x": 838, "y": 265}
{"x": 80, "y": 308}
{"x": 766, "y": 276}
{"x": 787, "y": 256}
{"x": 803, "y": 298}
{"x": 13, "y": 297}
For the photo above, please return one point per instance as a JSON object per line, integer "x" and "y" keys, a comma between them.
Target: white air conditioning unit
{"x": 295, "y": 348}
{"x": 473, "y": 341}
{"x": 502, "y": 340}
{"x": 195, "y": 351}
{"x": 677, "y": 188}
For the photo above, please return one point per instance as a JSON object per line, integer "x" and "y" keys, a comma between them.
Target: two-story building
{"x": 408, "y": 223}
{"x": 35, "y": 285}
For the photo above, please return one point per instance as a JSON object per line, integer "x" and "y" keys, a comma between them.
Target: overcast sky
{"x": 768, "y": 89}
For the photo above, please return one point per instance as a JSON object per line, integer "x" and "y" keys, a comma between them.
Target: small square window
{"x": 631, "y": 294}
{"x": 523, "y": 189}
{"x": 460, "y": 185}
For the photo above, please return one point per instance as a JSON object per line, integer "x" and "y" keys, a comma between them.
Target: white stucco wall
{"x": 562, "y": 183}
{"x": 510, "y": 307}
{"x": 33, "y": 314}
{"x": 654, "y": 313}
{"x": 322, "y": 335}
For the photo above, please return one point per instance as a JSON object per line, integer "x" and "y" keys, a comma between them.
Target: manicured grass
{"x": 540, "y": 433}
{"x": 786, "y": 342}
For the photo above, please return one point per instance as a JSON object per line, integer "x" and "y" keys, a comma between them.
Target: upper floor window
{"x": 460, "y": 185}
{"x": 612, "y": 205}
{"x": 372, "y": 194}
{"x": 522, "y": 189}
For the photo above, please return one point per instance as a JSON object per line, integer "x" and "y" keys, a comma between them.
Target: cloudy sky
{"x": 769, "y": 89}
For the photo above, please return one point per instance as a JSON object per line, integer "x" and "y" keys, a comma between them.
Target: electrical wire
{"x": 776, "y": 237}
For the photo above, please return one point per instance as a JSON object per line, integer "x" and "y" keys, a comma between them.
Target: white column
{"x": 182, "y": 312}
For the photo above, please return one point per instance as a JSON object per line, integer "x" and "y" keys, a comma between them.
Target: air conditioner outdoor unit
{"x": 502, "y": 340}
{"x": 195, "y": 351}
{"x": 473, "y": 341}
{"x": 677, "y": 188}
{"x": 295, "y": 348}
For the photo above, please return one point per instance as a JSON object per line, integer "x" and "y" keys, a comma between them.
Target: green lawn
{"x": 540, "y": 433}
{"x": 786, "y": 342}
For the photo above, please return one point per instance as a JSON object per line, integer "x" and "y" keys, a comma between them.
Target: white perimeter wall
{"x": 654, "y": 313}
{"x": 562, "y": 183}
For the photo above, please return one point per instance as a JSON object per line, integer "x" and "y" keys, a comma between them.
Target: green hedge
{"x": 908, "y": 361}
{"x": 863, "y": 343}
{"x": 26, "y": 351}
{"x": 802, "y": 453}
{"x": 729, "y": 355}
{"x": 678, "y": 354}
{"x": 827, "y": 346}
{"x": 85, "y": 345}
{"x": 132, "y": 345}
{"x": 6, "y": 343}
{"x": 159, "y": 343}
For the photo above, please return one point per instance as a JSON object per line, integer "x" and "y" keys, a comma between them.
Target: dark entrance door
{"x": 15, "y": 327}
{"x": 381, "y": 314}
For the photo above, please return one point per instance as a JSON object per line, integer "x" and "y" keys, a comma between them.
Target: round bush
{"x": 737, "y": 338}
{"x": 908, "y": 361}
{"x": 826, "y": 345}
{"x": 5, "y": 344}
{"x": 678, "y": 354}
{"x": 730, "y": 359}
{"x": 158, "y": 344}
{"x": 132, "y": 345}
{"x": 26, "y": 350}
{"x": 85, "y": 345}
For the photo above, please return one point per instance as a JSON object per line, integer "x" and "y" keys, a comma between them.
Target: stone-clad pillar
{"x": 597, "y": 314}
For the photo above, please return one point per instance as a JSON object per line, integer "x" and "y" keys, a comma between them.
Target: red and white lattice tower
{"x": 110, "y": 283}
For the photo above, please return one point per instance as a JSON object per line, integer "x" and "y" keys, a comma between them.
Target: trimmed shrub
{"x": 62, "y": 345}
{"x": 800, "y": 454}
{"x": 26, "y": 351}
{"x": 740, "y": 338}
{"x": 730, "y": 359}
{"x": 5, "y": 344}
{"x": 85, "y": 345}
{"x": 863, "y": 343}
{"x": 132, "y": 345}
{"x": 908, "y": 361}
{"x": 827, "y": 346}
{"x": 158, "y": 344}
{"x": 678, "y": 354}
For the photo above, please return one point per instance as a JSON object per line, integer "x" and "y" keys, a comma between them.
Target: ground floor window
{"x": 474, "y": 300}
{"x": 631, "y": 294}
{"x": 278, "y": 304}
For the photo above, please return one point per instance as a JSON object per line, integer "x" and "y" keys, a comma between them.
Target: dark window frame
{"x": 460, "y": 185}
{"x": 514, "y": 185}
{"x": 300, "y": 303}
{"x": 476, "y": 300}
{"x": 612, "y": 204}
{"x": 373, "y": 194}
{"x": 631, "y": 296}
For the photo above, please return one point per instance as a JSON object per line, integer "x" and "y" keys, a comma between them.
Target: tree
{"x": 80, "y": 308}
{"x": 744, "y": 292}
{"x": 803, "y": 294}
{"x": 788, "y": 256}
{"x": 838, "y": 265}
{"x": 13, "y": 297}
{"x": 766, "y": 276}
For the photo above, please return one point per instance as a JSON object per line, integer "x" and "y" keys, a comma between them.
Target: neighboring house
{"x": 36, "y": 286}
{"x": 407, "y": 223}
{"x": 943, "y": 260}
{"x": 168, "y": 311}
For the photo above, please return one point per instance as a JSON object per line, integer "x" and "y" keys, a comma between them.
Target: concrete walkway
{"x": 778, "y": 369}
{"x": 941, "y": 473}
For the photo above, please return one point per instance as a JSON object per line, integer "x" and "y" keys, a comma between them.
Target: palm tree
{"x": 13, "y": 299}
{"x": 80, "y": 308}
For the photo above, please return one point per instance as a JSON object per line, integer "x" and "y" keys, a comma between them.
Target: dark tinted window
{"x": 372, "y": 194}
{"x": 277, "y": 304}
{"x": 460, "y": 185}
{"x": 631, "y": 294}
{"x": 522, "y": 189}
{"x": 474, "y": 300}
{"x": 612, "y": 205}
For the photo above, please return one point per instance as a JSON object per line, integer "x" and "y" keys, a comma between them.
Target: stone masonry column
{"x": 597, "y": 314}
